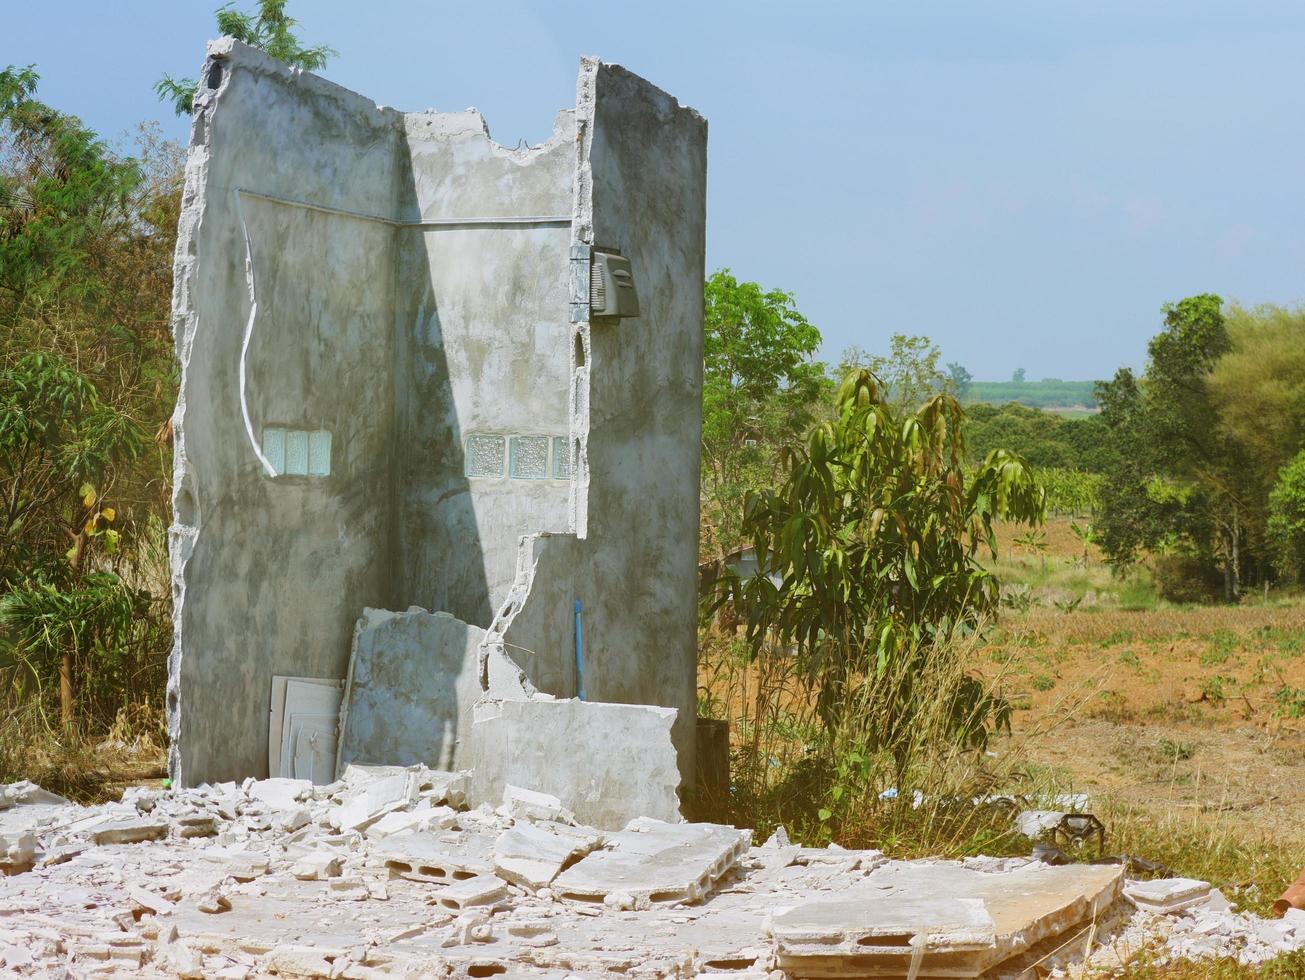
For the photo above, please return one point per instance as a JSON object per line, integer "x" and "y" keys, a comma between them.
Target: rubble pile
{"x": 388, "y": 872}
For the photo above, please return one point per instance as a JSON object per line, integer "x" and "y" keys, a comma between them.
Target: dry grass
{"x": 83, "y": 769}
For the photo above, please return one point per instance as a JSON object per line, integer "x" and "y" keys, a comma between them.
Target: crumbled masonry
{"x": 389, "y": 873}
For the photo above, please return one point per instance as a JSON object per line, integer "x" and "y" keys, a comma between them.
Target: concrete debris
{"x": 284, "y": 885}
{"x": 1034, "y": 823}
{"x": 1167, "y": 894}
{"x": 651, "y": 862}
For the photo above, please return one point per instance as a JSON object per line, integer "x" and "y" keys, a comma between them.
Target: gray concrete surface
{"x": 611, "y": 762}
{"x": 404, "y": 343}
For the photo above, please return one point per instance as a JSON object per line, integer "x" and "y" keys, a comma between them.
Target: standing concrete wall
{"x": 415, "y": 339}
{"x": 484, "y": 352}
{"x": 637, "y": 399}
{"x": 269, "y": 575}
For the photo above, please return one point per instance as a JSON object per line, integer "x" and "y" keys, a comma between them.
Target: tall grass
{"x": 927, "y": 793}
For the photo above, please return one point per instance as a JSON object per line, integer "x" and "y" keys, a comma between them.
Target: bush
{"x": 1286, "y": 527}
{"x": 1187, "y": 579}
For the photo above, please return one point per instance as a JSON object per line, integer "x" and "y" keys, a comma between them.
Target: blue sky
{"x": 1024, "y": 182}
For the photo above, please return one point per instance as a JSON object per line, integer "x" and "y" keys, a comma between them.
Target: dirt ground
{"x": 1198, "y": 708}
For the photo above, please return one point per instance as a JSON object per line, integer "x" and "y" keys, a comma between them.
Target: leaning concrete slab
{"x": 413, "y": 678}
{"x": 610, "y": 762}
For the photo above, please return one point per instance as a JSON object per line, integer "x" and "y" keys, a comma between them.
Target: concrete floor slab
{"x": 651, "y": 862}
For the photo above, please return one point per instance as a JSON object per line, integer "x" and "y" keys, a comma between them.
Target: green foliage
{"x": 100, "y": 624}
{"x": 270, "y": 29}
{"x": 1286, "y": 525}
{"x": 1047, "y": 440}
{"x": 55, "y": 435}
{"x": 959, "y": 379}
{"x": 86, "y": 375}
{"x": 1017, "y": 376}
{"x": 761, "y": 389}
{"x": 909, "y": 372}
{"x": 1072, "y": 491}
{"x": 874, "y": 531}
{"x": 59, "y": 188}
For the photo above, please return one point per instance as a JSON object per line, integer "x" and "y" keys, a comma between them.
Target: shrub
{"x": 1187, "y": 579}
{"x": 1286, "y": 527}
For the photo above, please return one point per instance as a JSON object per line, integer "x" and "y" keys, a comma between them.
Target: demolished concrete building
{"x": 437, "y": 437}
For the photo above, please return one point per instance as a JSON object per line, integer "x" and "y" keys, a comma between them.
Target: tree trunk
{"x": 1236, "y": 556}
{"x": 66, "y": 707}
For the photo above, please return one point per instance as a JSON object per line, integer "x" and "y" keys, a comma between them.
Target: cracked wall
{"x": 420, "y": 312}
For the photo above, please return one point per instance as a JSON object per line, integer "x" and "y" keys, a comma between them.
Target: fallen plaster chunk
{"x": 17, "y": 849}
{"x": 526, "y": 804}
{"x": 280, "y": 793}
{"x": 1167, "y": 894}
{"x": 26, "y": 793}
{"x": 610, "y": 763}
{"x": 406, "y": 821}
{"x": 317, "y": 866}
{"x": 1034, "y": 823}
{"x": 130, "y": 831}
{"x": 532, "y": 855}
{"x": 651, "y": 863}
{"x": 373, "y": 795}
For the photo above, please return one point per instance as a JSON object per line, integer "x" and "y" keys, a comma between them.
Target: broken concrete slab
{"x": 532, "y": 855}
{"x": 413, "y": 678}
{"x": 440, "y": 859}
{"x": 1163, "y": 895}
{"x": 1027, "y": 906}
{"x": 471, "y": 892}
{"x": 875, "y": 934}
{"x": 130, "y": 831}
{"x": 652, "y": 862}
{"x": 610, "y": 762}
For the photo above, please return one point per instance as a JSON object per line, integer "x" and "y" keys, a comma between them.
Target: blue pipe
{"x": 579, "y": 651}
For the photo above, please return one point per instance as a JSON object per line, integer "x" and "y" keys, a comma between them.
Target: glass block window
{"x": 491, "y": 457}
{"x": 561, "y": 458}
{"x": 319, "y": 453}
{"x": 298, "y": 452}
{"x": 528, "y": 457}
{"x": 485, "y": 455}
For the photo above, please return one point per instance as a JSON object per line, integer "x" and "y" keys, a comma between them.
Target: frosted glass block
{"x": 274, "y": 449}
{"x": 485, "y": 456}
{"x": 319, "y": 453}
{"x": 296, "y": 453}
{"x": 528, "y": 457}
{"x": 561, "y": 458}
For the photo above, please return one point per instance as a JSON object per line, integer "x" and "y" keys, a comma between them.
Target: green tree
{"x": 873, "y": 533}
{"x": 960, "y": 379}
{"x": 761, "y": 389}
{"x": 1018, "y": 376}
{"x": 270, "y": 29}
{"x": 1286, "y": 524}
{"x": 909, "y": 372}
{"x": 86, "y": 374}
